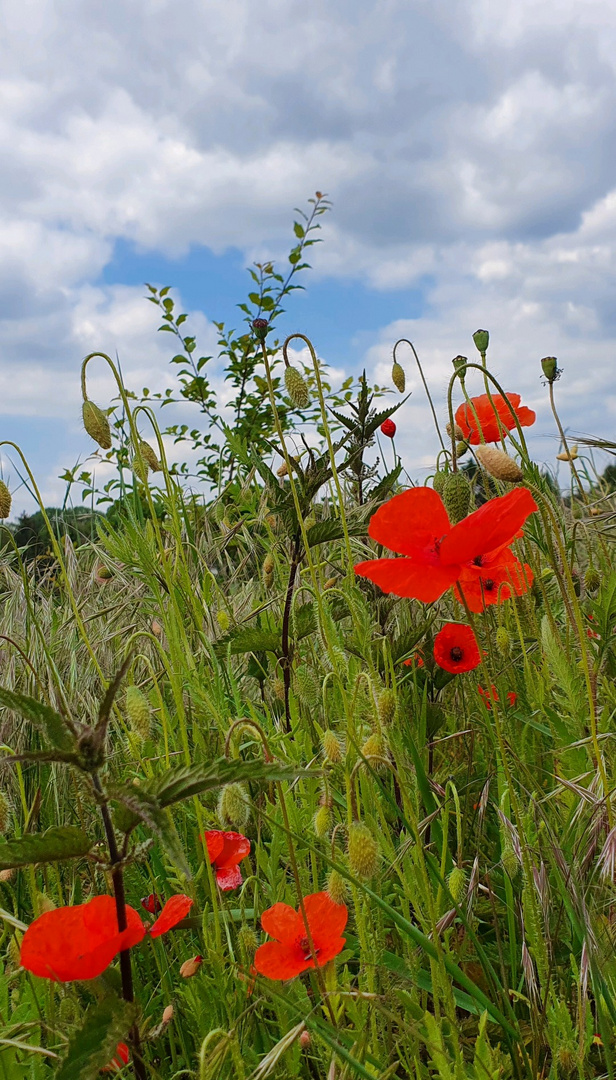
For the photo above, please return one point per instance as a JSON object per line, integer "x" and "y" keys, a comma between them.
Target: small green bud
{"x": 461, "y": 448}
{"x": 387, "y": 706}
{"x": 375, "y": 746}
{"x": 149, "y": 456}
{"x": 5, "y": 500}
{"x": 438, "y": 482}
{"x": 138, "y": 712}
{"x": 261, "y": 328}
{"x": 96, "y": 424}
{"x": 297, "y": 387}
{"x": 223, "y": 620}
{"x": 482, "y": 340}
{"x": 457, "y": 496}
{"x": 322, "y": 822}
{"x": 233, "y": 807}
{"x": 592, "y": 579}
{"x": 362, "y": 851}
{"x": 248, "y": 939}
{"x": 459, "y": 363}
{"x": 456, "y": 883}
{"x": 336, "y": 887}
{"x": 503, "y": 641}
{"x": 549, "y": 366}
{"x": 398, "y": 377}
{"x": 307, "y": 686}
{"x": 332, "y": 747}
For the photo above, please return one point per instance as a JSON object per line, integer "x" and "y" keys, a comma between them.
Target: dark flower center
{"x": 488, "y": 585}
{"x": 304, "y": 945}
{"x": 478, "y": 560}
{"x": 456, "y": 654}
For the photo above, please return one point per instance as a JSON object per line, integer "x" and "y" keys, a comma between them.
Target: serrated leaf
{"x": 58, "y": 842}
{"x": 331, "y": 529}
{"x": 41, "y": 715}
{"x": 94, "y": 1046}
{"x": 144, "y": 806}
{"x": 304, "y": 621}
{"x": 183, "y": 781}
{"x": 249, "y": 639}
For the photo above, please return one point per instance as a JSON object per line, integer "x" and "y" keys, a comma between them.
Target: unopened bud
{"x": 307, "y": 685}
{"x": 268, "y": 570}
{"x": 456, "y": 883}
{"x": 329, "y": 584}
{"x": 168, "y": 1014}
{"x": 96, "y": 424}
{"x": 138, "y": 711}
{"x": 375, "y": 747}
{"x": 233, "y": 807}
{"x": 7, "y": 875}
{"x": 336, "y": 887}
{"x": 305, "y": 1040}
{"x": 592, "y": 579}
{"x": 297, "y": 387}
{"x": 438, "y": 483}
{"x": 459, "y": 434}
{"x": 362, "y": 851}
{"x": 482, "y": 340}
{"x": 156, "y": 628}
{"x": 149, "y": 456}
{"x": 223, "y": 620}
{"x": 503, "y": 641}
{"x": 388, "y": 428}
{"x": 549, "y": 366}
{"x": 322, "y": 822}
{"x": 278, "y": 688}
{"x": 498, "y": 464}
{"x": 457, "y": 496}
{"x": 191, "y": 967}
{"x": 387, "y": 706}
{"x": 44, "y": 904}
{"x": 282, "y": 470}
{"x": 398, "y": 377}
{"x": 461, "y": 448}
{"x": 248, "y": 938}
{"x": 332, "y": 747}
{"x": 5, "y": 813}
{"x": 5, "y": 500}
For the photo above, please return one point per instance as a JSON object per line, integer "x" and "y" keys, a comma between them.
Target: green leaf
{"x": 94, "y": 1045}
{"x": 139, "y": 804}
{"x": 248, "y": 639}
{"x": 331, "y": 529}
{"x": 59, "y": 842}
{"x": 299, "y": 230}
{"x": 183, "y": 781}
{"x": 42, "y": 716}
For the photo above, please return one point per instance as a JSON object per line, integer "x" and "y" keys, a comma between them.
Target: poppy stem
{"x": 286, "y": 620}
{"x": 117, "y": 877}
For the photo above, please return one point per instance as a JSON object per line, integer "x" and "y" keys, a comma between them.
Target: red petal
{"x": 283, "y": 923}
{"x": 326, "y": 919}
{"x": 78, "y": 942}
{"x": 229, "y": 877}
{"x": 215, "y": 842}
{"x": 405, "y": 577}
{"x": 277, "y": 961}
{"x": 495, "y": 524}
{"x": 235, "y": 848}
{"x": 456, "y": 636}
{"x": 176, "y": 909}
{"x": 410, "y": 522}
{"x": 505, "y": 575}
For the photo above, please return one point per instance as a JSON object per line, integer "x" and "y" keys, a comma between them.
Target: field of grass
{"x": 432, "y": 759}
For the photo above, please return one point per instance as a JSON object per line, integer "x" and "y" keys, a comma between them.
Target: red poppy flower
{"x": 120, "y": 1059}
{"x": 456, "y": 648}
{"x": 225, "y": 851}
{"x": 388, "y": 428}
{"x": 414, "y": 659}
{"x": 151, "y": 903}
{"x": 487, "y": 415}
{"x": 488, "y": 696}
{"x": 78, "y": 942}
{"x": 416, "y": 525}
{"x": 512, "y": 697}
{"x": 492, "y": 578}
{"x": 289, "y": 954}
{"x": 176, "y": 909}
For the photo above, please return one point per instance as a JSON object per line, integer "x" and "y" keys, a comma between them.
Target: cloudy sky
{"x": 468, "y": 148}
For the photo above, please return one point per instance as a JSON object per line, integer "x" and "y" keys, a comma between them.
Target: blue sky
{"x": 467, "y": 147}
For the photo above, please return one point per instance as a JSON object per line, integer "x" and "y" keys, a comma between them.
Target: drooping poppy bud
{"x": 5, "y": 500}
{"x": 592, "y": 579}
{"x": 457, "y": 496}
{"x": 138, "y": 711}
{"x": 438, "y": 482}
{"x": 332, "y": 747}
{"x": 233, "y": 807}
{"x": 388, "y": 428}
{"x": 307, "y": 685}
{"x": 191, "y": 967}
{"x": 149, "y": 456}
{"x": 503, "y": 641}
{"x": 267, "y": 570}
{"x": 297, "y": 387}
{"x": 96, "y": 424}
{"x": 387, "y": 705}
{"x": 362, "y": 851}
{"x": 337, "y": 887}
{"x": 322, "y": 822}
{"x": 498, "y": 464}
{"x": 398, "y": 377}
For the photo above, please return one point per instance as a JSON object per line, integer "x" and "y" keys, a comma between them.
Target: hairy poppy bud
{"x": 498, "y": 464}
{"x": 438, "y": 483}
{"x": 592, "y": 579}
{"x": 549, "y": 366}
{"x": 332, "y": 748}
{"x": 457, "y": 496}
{"x": 140, "y": 467}
{"x": 482, "y": 340}
{"x": 322, "y": 822}
{"x": 282, "y": 470}
{"x": 305, "y": 1040}
{"x": 503, "y": 641}
{"x": 457, "y": 430}
{"x": 268, "y": 570}
{"x": 388, "y": 428}
{"x": 96, "y": 424}
{"x": 398, "y": 377}
{"x": 191, "y": 967}
{"x": 297, "y": 387}
{"x": 461, "y": 448}
{"x": 168, "y": 1014}
{"x": 149, "y": 456}
{"x": 387, "y": 706}
{"x": 233, "y": 807}
{"x": 248, "y": 938}
{"x": 156, "y": 628}
{"x": 307, "y": 686}
{"x": 336, "y": 887}
{"x": 456, "y": 883}
{"x": 138, "y": 711}
{"x": 362, "y": 851}
{"x": 68, "y": 1011}
{"x": 375, "y": 746}
{"x": 329, "y": 584}
{"x": 260, "y": 327}
{"x": 5, "y": 500}
{"x": 223, "y": 620}
{"x": 5, "y": 812}
{"x": 278, "y": 688}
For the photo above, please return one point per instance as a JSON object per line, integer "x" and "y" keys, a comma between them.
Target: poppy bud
{"x": 461, "y": 448}
{"x": 233, "y": 807}
{"x": 332, "y": 748}
{"x": 138, "y": 711}
{"x": 260, "y": 327}
{"x": 457, "y": 430}
{"x": 268, "y": 570}
{"x": 375, "y": 746}
{"x": 96, "y": 424}
{"x": 503, "y": 641}
{"x": 438, "y": 482}
{"x": 498, "y": 464}
{"x": 549, "y": 365}
{"x": 459, "y": 363}
{"x": 322, "y": 822}
{"x": 297, "y": 387}
{"x": 5, "y": 812}
{"x": 336, "y": 887}
{"x": 156, "y": 628}
{"x": 248, "y": 938}
{"x": 398, "y": 377}
{"x": 329, "y": 584}
{"x": 282, "y": 470}
{"x": 307, "y": 686}
{"x": 168, "y": 1014}
{"x": 387, "y": 706}
{"x": 149, "y": 456}
{"x": 388, "y": 428}
{"x": 5, "y": 500}
{"x": 482, "y": 340}
{"x": 222, "y": 619}
{"x": 362, "y": 851}
{"x": 305, "y": 1040}
{"x": 191, "y": 967}
{"x": 592, "y": 579}
{"x": 457, "y": 496}
{"x": 278, "y": 688}
{"x": 456, "y": 883}
{"x": 272, "y": 521}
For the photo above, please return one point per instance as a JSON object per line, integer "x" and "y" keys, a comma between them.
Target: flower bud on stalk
{"x": 149, "y": 456}
{"x": 387, "y": 706}
{"x": 332, "y": 747}
{"x": 297, "y": 387}
{"x": 592, "y": 579}
{"x": 336, "y": 887}
{"x": 5, "y": 500}
{"x": 362, "y": 851}
{"x": 191, "y": 967}
{"x": 96, "y": 424}
{"x": 268, "y": 570}
{"x": 438, "y": 482}
{"x": 322, "y": 822}
{"x": 456, "y": 883}
{"x": 233, "y": 807}
{"x": 498, "y": 464}
{"x": 248, "y": 938}
{"x": 168, "y": 1014}
{"x": 388, "y": 428}
{"x": 398, "y": 377}
{"x": 503, "y": 641}
{"x": 457, "y": 497}
{"x": 261, "y": 328}
{"x": 138, "y": 711}
{"x": 459, "y": 363}
{"x": 482, "y": 340}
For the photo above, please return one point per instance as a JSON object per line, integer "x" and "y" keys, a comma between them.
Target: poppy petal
{"x": 278, "y": 961}
{"x": 410, "y": 522}
{"x": 495, "y": 524}
{"x": 214, "y": 841}
{"x": 235, "y": 848}
{"x": 326, "y": 919}
{"x": 283, "y": 923}
{"x": 329, "y": 949}
{"x": 456, "y": 649}
{"x": 495, "y": 584}
{"x": 405, "y": 577}
{"x": 176, "y": 909}
{"x": 229, "y": 877}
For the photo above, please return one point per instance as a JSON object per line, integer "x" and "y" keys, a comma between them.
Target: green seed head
{"x": 297, "y": 387}
{"x": 5, "y": 500}
{"x": 233, "y": 807}
{"x": 457, "y": 883}
{"x": 439, "y": 480}
{"x": 96, "y": 424}
{"x": 248, "y": 939}
{"x": 482, "y": 340}
{"x": 387, "y": 706}
{"x": 322, "y": 822}
{"x": 457, "y": 497}
{"x": 398, "y": 377}
{"x": 138, "y": 712}
{"x": 592, "y": 579}
{"x": 307, "y": 686}
{"x": 549, "y": 365}
{"x": 5, "y": 813}
{"x": 332, "y": 747}
{"x": 362, "y": 851}
{"x": 336, "y": 887}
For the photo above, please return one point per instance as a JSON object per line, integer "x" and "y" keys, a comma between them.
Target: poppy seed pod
{"x": 149, "y": 456}
{"x": 233, "y": 807}
{"x": 460, "y": 363}
{"x": 362, "y": 851}
{"x": 337, "y": 887}
{"x": 482, "y": 340}
{"x": 498, "y": 464}
{"x": 5, "y": 500}
{"x": 322, "y": 822}
{"x": 138, "y": 711}
{"x": 387, "y": 706}
{"x": 457, "y": 497}
{"x": 549, "y": 366}
{"x": 332, "y": 747}
{"x": 96, "y": 424}
{"x": 297, "y": 387}
{"x": 398, "y": 377}
{"x": 456, "y": 883}
{"x": 503, "y": 641}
